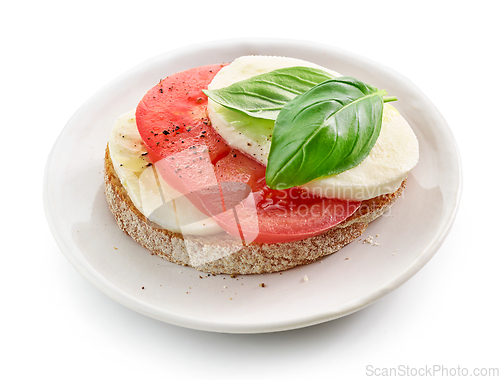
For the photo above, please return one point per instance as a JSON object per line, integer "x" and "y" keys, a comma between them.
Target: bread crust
{"x": 216, "y": 254}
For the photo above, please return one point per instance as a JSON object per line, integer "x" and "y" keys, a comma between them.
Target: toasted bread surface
{"x": 218, "y": 254}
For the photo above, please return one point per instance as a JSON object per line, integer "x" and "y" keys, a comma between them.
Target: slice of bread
{"x": 217, "y": 254}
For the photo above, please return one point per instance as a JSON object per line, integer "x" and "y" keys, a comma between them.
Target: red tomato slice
{"x": 172, "y": 115}
{"x": 171, "y": 118}
{"x": 283, "y": 215}
{"x": 238, "y": 167}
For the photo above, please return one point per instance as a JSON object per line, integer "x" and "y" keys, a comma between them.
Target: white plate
{"x": 408, "y": 236}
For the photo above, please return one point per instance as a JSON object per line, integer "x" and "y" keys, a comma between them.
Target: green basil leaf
{"x": 327, "y": 130}
{"x": 263, "y": 96}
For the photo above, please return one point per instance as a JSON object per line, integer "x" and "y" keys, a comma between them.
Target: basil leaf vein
{"x": 263, "y": 96}
{"x": 327, "y": 130}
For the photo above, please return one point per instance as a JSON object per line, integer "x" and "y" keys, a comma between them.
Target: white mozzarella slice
{"x": 152, "y": 196}
{"x": 393, "y": 156}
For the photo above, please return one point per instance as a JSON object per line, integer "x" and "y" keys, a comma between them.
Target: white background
{"x": 55, "y": 55}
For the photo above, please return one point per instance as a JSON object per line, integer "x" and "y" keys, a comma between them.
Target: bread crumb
{"x": 262, "y": 285}
{"x": 369, "y": 240}
{"x": 305, "y": 279}
{"x": 347, "y": 258}
{"x": 115, "y": 248}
